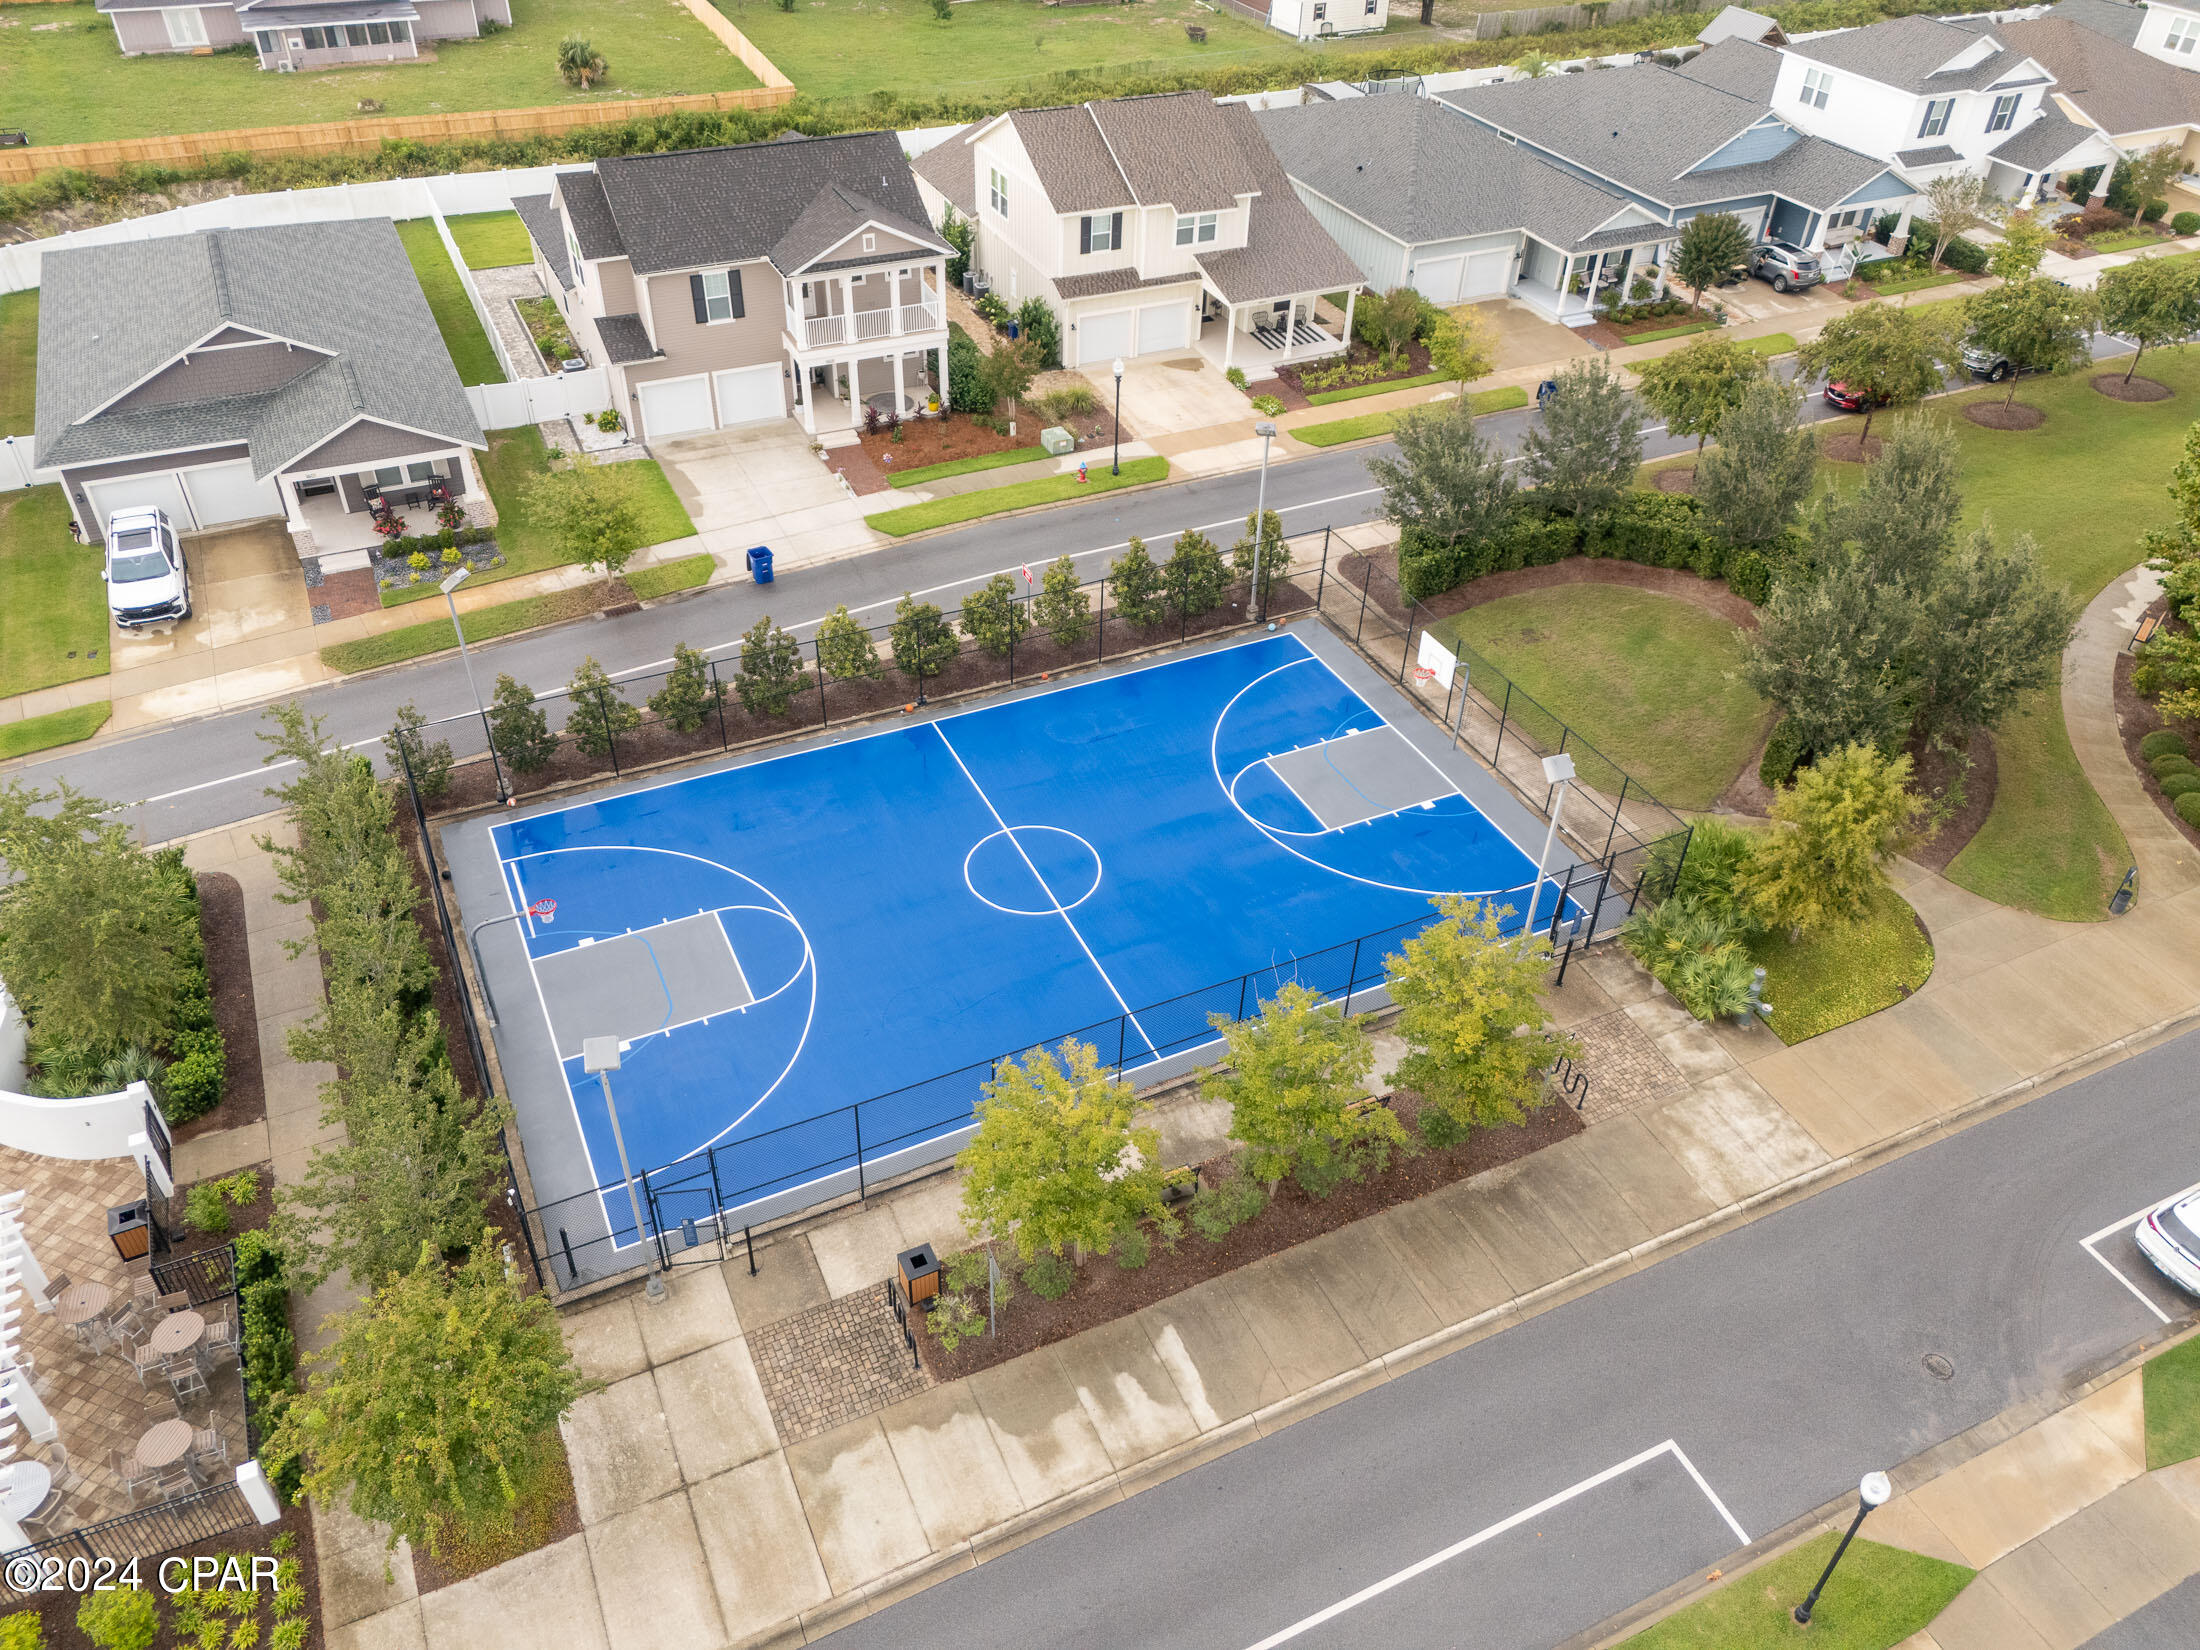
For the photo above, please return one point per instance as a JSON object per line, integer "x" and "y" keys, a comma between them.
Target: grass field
{"x": 2049, "y": 844}
{"x": 969, "y": 466}
{"x": 64, "y": 77}
{"x": 2172, "y": 1384}
{"x": 688, "y": 573}
{"x": 1358, "y": 392}
{"x": 491, "y": 240}
{"x": 18, "y": 362}
{"x": 60, "y": 727}
{"x": 53, "y": 608}
{"x": 1644, "y": 678}
{"x": 852, "y": 48}
{"x": 1341, "y": 430}
{"x": 462, "y": 331}
{"x": 1772, "y": 343}
{"x": 1831, "y": 977}
{"x": 1017, "y": 495}
{"x": 1876, "y": 1599}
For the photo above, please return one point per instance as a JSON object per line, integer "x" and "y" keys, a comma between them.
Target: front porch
{"x": 1258, "y": 338}
{"x": 832, "y": 395}
{"x": 1605, "y": 275}
{"x": 332, "y": 512}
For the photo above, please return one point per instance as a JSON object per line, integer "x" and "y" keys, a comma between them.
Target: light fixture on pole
{"x": 1115, "y": 467}
{"x": 1872, "y": 1492}
{"x": 1267, "y": 433}
{"x": 449, "y": 587}
{"x": 600, "y": 1058}
{"x": 1558, "y": 773}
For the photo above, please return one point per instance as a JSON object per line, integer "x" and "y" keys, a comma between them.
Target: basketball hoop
{"x": 544, "y": 911}
{"x": 1422, "y": 673}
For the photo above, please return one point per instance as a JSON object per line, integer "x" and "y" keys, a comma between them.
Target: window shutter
{"x": 1115, "y": 234}
{"x": 733, "y": 285}
{"x": 695, "y": 291}
{"x": 1084, "y": 234}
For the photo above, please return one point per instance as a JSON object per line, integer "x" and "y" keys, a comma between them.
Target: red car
{"x": 1848, "y": 400}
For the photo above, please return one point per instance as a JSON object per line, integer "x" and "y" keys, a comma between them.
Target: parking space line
{"x": 1491, "y": 1532}
{"x": 2110, "y": 1230}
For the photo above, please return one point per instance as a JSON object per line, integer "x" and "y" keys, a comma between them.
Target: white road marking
{"x": 2110, "y": 1230}
{"x": 1491, "y": 1532}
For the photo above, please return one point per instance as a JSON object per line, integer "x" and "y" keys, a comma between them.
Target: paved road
{"x": 194, "y": 775}
{"x": 1783, "y": 1359}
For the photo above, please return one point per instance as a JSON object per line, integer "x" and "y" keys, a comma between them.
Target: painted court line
{"x": 1490, "y": 1533}
{"x": 2117, "y": 1272}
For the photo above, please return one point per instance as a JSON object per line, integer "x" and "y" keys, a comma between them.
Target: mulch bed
{"x": 2138, "y": 716}
{"x": 187, "y": 1239}
{"x": 1935, "y": 769}
{"x": 2004, "y": 415}
{"x": 1106, "y": 1291}
{"x": 1747, "y": 793}
{"x": 1850, "y": 449}
{"x": 1677, "y": 481}
{"x": 345, "y": 596}
{"x": 1417, "y": 366}
{"x": 541, "y": 1521}
{"x": 942, "y": 440}
{"x": 447, "y": 986}
{"x": 2117, "y": 388}
{"x": 236, "y": 1016}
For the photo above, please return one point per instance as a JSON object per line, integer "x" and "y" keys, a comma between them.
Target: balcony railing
{"x": 887, "y": 321}
{"x": 874, "y": 323}
{"x": 921, "y": 318}
{"x": 824, "y": 329}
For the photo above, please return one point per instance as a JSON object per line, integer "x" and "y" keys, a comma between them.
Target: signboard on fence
{"x": 1437, "y": 659}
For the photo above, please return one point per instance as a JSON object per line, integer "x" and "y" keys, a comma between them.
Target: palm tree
{"x": 579, "y": 62}
{"x": 1534, "y": 66}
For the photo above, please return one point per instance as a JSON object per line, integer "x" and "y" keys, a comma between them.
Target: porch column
{"x": 2029, "y": 196}
{"x": 1657, "y": 289}
{"x": 1565, "y": 282}
{"x": 808, "y": 392}
{"x": 1350, "y": 298}
{"x": 944, "y": 402}
{"x": 847, "y": 311}
{"x": 853, "y": 395}
{"x": 899, "y": 355}
{"x": 1229, "y": 336}
{"x": 1899, "y": 241}
{"x": 2100, "y": 184}
{"x": 1817, "y": 240}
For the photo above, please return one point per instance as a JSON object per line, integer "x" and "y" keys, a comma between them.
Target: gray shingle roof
{"x": 2114, "y": 19}
{"x": 1286, "y": 251}
{"x": 1937, "y": 154}
{"x": 625, "y": 339}
{"x": 1913, "y": 54}
{"x": 1737, "y": 23}
{"x": 111, "y": 316}
{"x": 1173, "y": 151}
{"x": 2044, "y": 144}
{"x": 1105, "y": 281}
{"x": 541, "y": 219}
{"x": 589, "y": 214}
{"x": 1742, "y": 67}
{"x": 697, "y": 207}
{"x": 322, "y": 13}
{"x": 2118, "y": 89}
{"x": 1071, "y": 158}
{"x": 952, "y": 169}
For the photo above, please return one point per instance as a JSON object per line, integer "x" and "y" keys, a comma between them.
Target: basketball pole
{"x": 1558, "y": 773}
{"x": 600, "y": 1058}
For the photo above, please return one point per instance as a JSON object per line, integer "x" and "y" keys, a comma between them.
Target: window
{"x": 1371, "y": 8}
{"x": 1937, "y": 111}
{"x": 870, "y": 243}
{"x": 1321, "y": 10}
{"x": 717, "y": 296}
{"x": 1844, "y": 220}
{"x": 355, "y": 34}
{"x": 390, "y": 475}
{"x": 269, "y": 42}
{"x": 422, "y": 470}
{"x": 1817, "y": 85}
{"x": 1100, "y": 234}
{"x": 1200, "y": 229}
{"x": 2004, "y": 114}
{"x": 2183, "y": 31}
{"x": 321, "y": 39}
{"x": 186, "y": 26}
{"x": 997, "y": 190}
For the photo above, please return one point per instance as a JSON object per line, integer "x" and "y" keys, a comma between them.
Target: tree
{"x": 1587, "y": 444}
{"x": 1462, "y": 346}
{"x": 691, "y": 694}
{"x": 771, "y": 671}
{"x": 430, "y": 764}
{"x": 1957, "y": 202}
{"x": 2024, "y": 241}
{"x": 579, "y": 63}
{"x": 1446, "y": 480}
{"x": 1062, "y": 609}
{"x": 1288, "y": 1076}
{"x": 1991, "y": 628}
{"x": 1835, "y": 829}
{"x": 923, "y": 641}
{"x": 2151, "y": 301}
{"x": 437, "y": 1406}
{"x": 1534, "y": 66}
{"x": 95, "y": 941}
{"x": 1751, "y": 485}
{"x": 1006, "y": 371}
{"x": 1888, "y": 355}
{"x": 2151, "y": 172}
{"x": 593, "y": 512}
{"x": 1472, "y": 1011}
{"x": 1036, "y": 321}
{"x": 1903, "y": 518}
{"x": 961, "y": 234}
{"x": 1268, "y": 548}
{"x": 1195, "y": 575}
{"x": 993, "y": 616}
{"x": 518, "y": 730}
{"x": 597, "y": 711}
{"x": 1055, "y": 1162}
{"x": 1834, "y": 653}
{"x": 1134, "y": 585}
{"x": 845, "y": 648}
{"x": 2037, "y": 325}
{"x": 1394, "y": 319}
{"x": 1695, "y": 387}
{"x": 1711, "y": 247}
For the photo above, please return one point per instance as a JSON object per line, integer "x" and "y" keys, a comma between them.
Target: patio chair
{"x": 209, "y": 1448}
{"x": 178, "y": 1300}
{"x": 67, "y": 1477}
{"x": 133, "y": 1473}
{"x": 218, "y": 1346}
{"x": 55, "y": 1284}
{"x": 146, "y": 1362}
{"x": 171, "y": 1482}
{"x": 185, "y": 1378}
{"x": 46, "y": 1511}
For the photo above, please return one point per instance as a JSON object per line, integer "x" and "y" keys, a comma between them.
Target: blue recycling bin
{"x": 760, "y": 565}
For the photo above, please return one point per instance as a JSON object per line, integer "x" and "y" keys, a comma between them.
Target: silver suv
{"x": 1786, "y": 267}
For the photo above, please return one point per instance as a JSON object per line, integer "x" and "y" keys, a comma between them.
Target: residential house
{"x": 1326, "y": 19}
{"x": 291, "y": 373}
{"x": 2128, "y": 100}
{"x": 1738, "y": 23}
{"x": 1676, "y": 143}
{"x": 290, "y": 35}
{"x": 734, "y": 286}
{"x": 2164, "y": 29}
{"x": 1152, "y": 226}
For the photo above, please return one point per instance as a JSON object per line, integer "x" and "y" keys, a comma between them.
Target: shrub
{"x": 124, "y": 1619}
{"x": 1219, "y": 1210}
{"x": 2164, "y": 741}
{"x": 690, "y": 694}
{"x": 1968, "y": 256}
{"x": 430, "y": 762}
{"x": 2180, "y": 784}
{"x": 966, "y": 392}
{"x": 1267, "y": 406}
{"x": 518, "y": 729}
{"x": 2154, "y": 211}
{"x": 2170, "y": 762}
{"x": 954, "y": 1318}
{"x": 1783, "y": 753}
{"x": 596, "y": 711}
{"x": 291, "y": 1634}
{"x": 1133, "y": 1249}
{"x": 2188, "y": 807}
{"x": 1036, "y": 320}
{"x": 204, "y": 1209}
{"x": 1694, "y": 953}
{"x": 22, "y": 1631}
{"x": 1236, "y": 378}
{"x": 1049, "y": 1276}
{"x": 1749, "y": 576}
{"x": 197, "y": 1069}
{"x": 2185, "y": 223}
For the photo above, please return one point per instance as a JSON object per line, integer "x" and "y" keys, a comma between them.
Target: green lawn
{"x": 1664, "y": 333}
{"x": 968, "y": 466}
{"x": 60, "y": 727}
{"x": 1646, "y": 679}
{"x": 1359, "y": 391}
{"x": 2129, "y": 240}
{"x": 2172, "y": 1386}
{"x": 484, "y": 624}
{"x": 1772, "y": 343}
{"x": 852, "y": 48}
{"x": 1837, "y": 975}
{"x": 1876, "y": 1599}
{"x": 462, "y": 331}
{"x": 1915, "y": 283}
{"x": 491, "y": 240}
{"x": 2049, "y": 844}
{"x": 18, "y": 361}
{"x": 1361, "y": 428}
{"x": 688, "y": 573}
{"x": 1017, "y": 495}
{"x": 68, "y": 82}
{"x": 53, "y": 608}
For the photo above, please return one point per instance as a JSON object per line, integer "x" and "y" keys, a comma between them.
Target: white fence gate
{"x": 534, "y": 400}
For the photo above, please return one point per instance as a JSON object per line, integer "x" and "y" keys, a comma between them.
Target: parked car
{"x": 2169, "y": 1236}
{"x": 1844, "y": 399}
{"x": 1786, "y": 266}
{"x": 1988, "y": 364}
{"x": 147, "y": 580}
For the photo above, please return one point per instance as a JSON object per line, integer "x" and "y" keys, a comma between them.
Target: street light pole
{"x": 1267, "y": 433}
{"x": 1115, "y": 467}
{"x": 600, "y": 1058}
{"x": 1872, "y": 1492}
{"x": 449, "y": 588}
{"x": 1558, "y": 773}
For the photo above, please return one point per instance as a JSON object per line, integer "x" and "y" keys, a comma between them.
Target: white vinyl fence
{"x": 536, "y": 400}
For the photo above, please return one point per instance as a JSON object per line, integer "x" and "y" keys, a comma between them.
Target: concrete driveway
{"x": 1172, "y": 395}
{"x": 764, "y": 486}
{"x": 1524, "y": 338}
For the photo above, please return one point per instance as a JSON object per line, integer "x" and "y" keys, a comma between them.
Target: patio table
{"x": 80, "y": 1303}
{"x": 23, "y": 1489}
{"x": 164, "y": 1445}
{"x": 176, "y": 1334}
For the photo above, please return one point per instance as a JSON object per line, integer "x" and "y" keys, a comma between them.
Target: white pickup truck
{"x": 147, "y": 581}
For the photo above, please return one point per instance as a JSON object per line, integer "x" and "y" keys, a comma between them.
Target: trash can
{"x": 920, "y": 1273}
{"x": 1013, "y": 330}
{"x": 760, "y": 565}
{"x": 130, "y": 1228}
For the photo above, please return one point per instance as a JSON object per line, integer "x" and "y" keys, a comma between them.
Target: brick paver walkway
{"x": 1624, "y": 1067}
{"x": 834, "y": 1363}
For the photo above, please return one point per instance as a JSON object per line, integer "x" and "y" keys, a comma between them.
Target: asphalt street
{"x": 1779, "y": 1361}
{"x": 197, "y": 774}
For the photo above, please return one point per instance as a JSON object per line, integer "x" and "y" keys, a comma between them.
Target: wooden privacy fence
{"x": 1499, "y": 25}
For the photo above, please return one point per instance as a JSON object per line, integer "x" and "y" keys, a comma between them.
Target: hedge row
{"x": 269, "y": 1349}
{"x": 198, "y": 1060}
{"x": 1654, "y": 529}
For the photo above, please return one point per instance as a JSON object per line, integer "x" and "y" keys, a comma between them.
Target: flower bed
{"x": 1359, "y": 367}
{"x": 394, "y": 568}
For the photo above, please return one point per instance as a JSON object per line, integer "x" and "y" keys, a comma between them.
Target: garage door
{"x": 1101, "y": 338}
{"x": 1437, "y": 280}
{"x": 677, "y": 406}
{"x": 223, "y": 493}
{"x": 1488, "y": 274}
{"x": 750, "y": 395}
{"x": 1162, "y": 327}
{"x": 160, "y": 490}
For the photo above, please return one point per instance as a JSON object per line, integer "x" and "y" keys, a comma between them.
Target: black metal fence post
{"x": 1503, "y": 711}
{"x": 1624, "y": 781}
{"x": 1352, "y": 977}
{"x": 1366, "y": 571}
{"x": 862, "y": 1191}
{"x": 1321, "y": 575}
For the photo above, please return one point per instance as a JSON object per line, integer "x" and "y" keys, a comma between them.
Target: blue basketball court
{"x": 885, "y": 914}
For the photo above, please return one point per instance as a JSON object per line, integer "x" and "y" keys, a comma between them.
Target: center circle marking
{"x": 1014, "y": 848}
